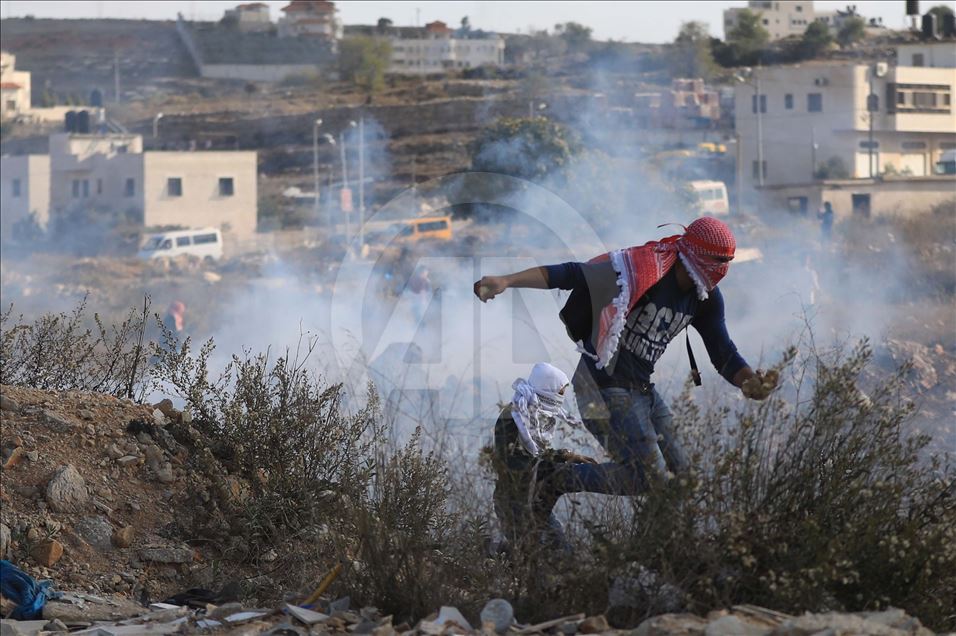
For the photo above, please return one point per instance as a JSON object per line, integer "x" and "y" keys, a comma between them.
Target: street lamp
{"x": 343, "y": 155}
{"x": 315, "y": 168}
{"x": 156, "y": 124}
{"x": 747, "y": 75}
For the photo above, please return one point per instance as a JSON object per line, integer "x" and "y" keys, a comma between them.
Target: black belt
{"x": 644, "y": 388}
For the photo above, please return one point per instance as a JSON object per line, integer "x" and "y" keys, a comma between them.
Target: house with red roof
{"x": 311, "y": 19}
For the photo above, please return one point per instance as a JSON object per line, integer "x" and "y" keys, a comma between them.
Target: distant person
{"x": 826, "y": 221}
{"x": 174, "y": 320}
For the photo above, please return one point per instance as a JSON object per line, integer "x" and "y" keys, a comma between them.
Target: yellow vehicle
{"x": 427, "y": 227}
{"x": 712, "y": 148}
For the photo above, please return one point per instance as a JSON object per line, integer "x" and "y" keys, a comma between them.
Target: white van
{"x": 711, "y": 197}
{"x": 204, "y": 242}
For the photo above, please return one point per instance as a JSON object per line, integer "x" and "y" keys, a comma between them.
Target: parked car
{"x": 205, "y": 243}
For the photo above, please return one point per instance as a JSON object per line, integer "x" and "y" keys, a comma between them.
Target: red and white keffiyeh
{"x": 639, "y": 268}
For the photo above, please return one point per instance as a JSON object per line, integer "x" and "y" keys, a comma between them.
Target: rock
{"x": 114, "y": 452}
{"x": 123, "y": 537}
{"x": 448, "y": 615}
{"x": 159, "y": 418}
{"x": 499, "y": 612}
{"x": 66, "y": 491}
{"x": 33, "y": 456}
{"x": 637, "y": 586}
{"x": 833, "y": 623}
{"x": 154, "y": 457}
{"x": 734, "y": 626}
{"x": 12, "y": 455}
{"x": 7, "y": 403}
{"x": 57, "y": 422}
{"x": 56, "y": 625}
{"x": 85, "y": 414}
{"x": 166, "y": 555}
{"x": 211, "y": 277}
{"x": 166, "y": 408}
{"x": 898, "y": 619}
{"x": 9, "y": 627}
{"x": 594, "y": 625}
{"x": 48, "y": 552}
{"x": 165, "y": 474}
{"x": 127, "y": 460}
{"x": 672, "y": 625}
{"x": 5, "y": 539}
{"x": 97, "y": 531}
{"x": 307, "y": 616}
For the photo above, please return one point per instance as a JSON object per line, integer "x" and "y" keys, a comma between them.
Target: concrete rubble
{"x": 115, "y": 616}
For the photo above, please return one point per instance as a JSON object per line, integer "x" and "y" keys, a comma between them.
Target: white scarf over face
{"x": 537, "y": 403}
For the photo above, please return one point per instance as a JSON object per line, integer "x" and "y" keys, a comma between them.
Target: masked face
{"x": 706, "y": 249}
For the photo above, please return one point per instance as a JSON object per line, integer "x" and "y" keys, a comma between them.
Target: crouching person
{"x": 530, "y": 475}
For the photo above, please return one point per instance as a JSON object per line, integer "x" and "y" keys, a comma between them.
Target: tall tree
{"x": 748, "y": 38}
{"x": 852, "y": 31}
{"x": 691, "y": 54}
{"x": 815, "y": 40}
{"x": 940, "y": 11}
{"x": 577, "y": 36}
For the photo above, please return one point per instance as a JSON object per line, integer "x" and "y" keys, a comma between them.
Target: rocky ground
{"x": 93, "y": 498}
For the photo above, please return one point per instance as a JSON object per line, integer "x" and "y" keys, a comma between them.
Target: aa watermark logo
{"x": 405, "y": 316}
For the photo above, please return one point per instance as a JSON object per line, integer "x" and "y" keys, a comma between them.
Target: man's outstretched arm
{"x": 490, "y": 286}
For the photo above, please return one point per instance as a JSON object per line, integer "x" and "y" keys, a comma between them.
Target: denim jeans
{"x": 638, "y": 434}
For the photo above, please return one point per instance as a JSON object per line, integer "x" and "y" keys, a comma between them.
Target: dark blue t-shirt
{"x": 662, "y": 313}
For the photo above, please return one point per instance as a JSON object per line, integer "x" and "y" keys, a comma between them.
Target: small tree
{"x": 748, "y": 38}
{"x": 525, "y": 148}
{"x": 364, "y": 60}
{"x": 383, "y": 25}
{"x": 815, "y": 40}
{"x": 834, "y": 168}
{"x": 940, "y": 11}
{"x": 691, "y": 55}
{"x": 851, "y": 32}
{"x": 577, "y": 36}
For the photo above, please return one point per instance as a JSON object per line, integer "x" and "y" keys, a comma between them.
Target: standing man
{"x": 625, "y": 307}
{"x": 826, "y": 221}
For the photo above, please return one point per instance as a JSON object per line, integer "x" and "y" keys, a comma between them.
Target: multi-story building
{"x": 875, "y": 130}
{"x": 310, "y": 18}
{"x": 111, "y": 173}
{"x": 690, "y": 104}
{"x": 250, "y": 18}
{"x": 14, "y": 88}
{"x": 781, "y": 19}
{"x": 437, "y": 48}
{"x": 24, "y": 192}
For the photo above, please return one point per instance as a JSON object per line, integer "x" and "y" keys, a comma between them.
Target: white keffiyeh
{"x": 537, "y": 404}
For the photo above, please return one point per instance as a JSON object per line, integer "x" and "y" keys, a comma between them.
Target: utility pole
{"x": 361, "y": 183}
{"x": 738, "y": 178}
{"x": 813, "y": 153}
{"x": 116, "y": 78}
{"x": 315, "y": 168}
{"x": 760, "y": 164}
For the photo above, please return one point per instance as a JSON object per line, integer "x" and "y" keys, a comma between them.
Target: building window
{"x": 866, "y": 145}
{"x": 914, "y": 145}
{"x": 76, "y": 188}
{"x": 99, "y": 186}
{"x": 788, "y": 101}
{"x": 130, "y": 188}
{"x": 799, "y": 8}
{"x": 919, "y": 98}
{"x": 797, "y": 205}
{"x": 15, "y": 187}
{"x": 11, "y": 104}
{"x": 815, "y": 102}
{"x": 763, "y": 103}
{"x": 917, "y": 59}
{"x": 756, "y": 174}
{"x": 174, "y": 186}
{"x": 226, "y": 187}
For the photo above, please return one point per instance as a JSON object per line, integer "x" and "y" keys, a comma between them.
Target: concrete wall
{"x": 33, "y": 174}
{"x": 256, "y": 72}
{"x": 935, "y": 54}
{"x": 201, "y": 204}
{"x": 887, "y": 197}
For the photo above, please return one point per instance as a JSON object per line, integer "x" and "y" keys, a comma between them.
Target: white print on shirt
{"x": 648, "y": 331}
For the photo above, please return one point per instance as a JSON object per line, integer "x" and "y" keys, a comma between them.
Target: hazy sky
{"x": 628, "y": 21}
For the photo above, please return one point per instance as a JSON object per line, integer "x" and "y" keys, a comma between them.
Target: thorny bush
{"x": 816, "y": 499}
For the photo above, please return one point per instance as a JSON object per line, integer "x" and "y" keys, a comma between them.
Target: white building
{"x": 310, "y": 18}
{"x": 814, "y": 114}
{"x": 14, "y": 88}
{"x": 110, "y": 172}
{"x": 24, "y": 191}
{"x": 437, "y": 50}
{"x": 781, "y": 19}
{"x": 250, "y": 18}
{"x": 927, "y": 53}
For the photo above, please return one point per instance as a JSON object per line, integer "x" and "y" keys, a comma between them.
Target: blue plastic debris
{"x": 29, "y": 595}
